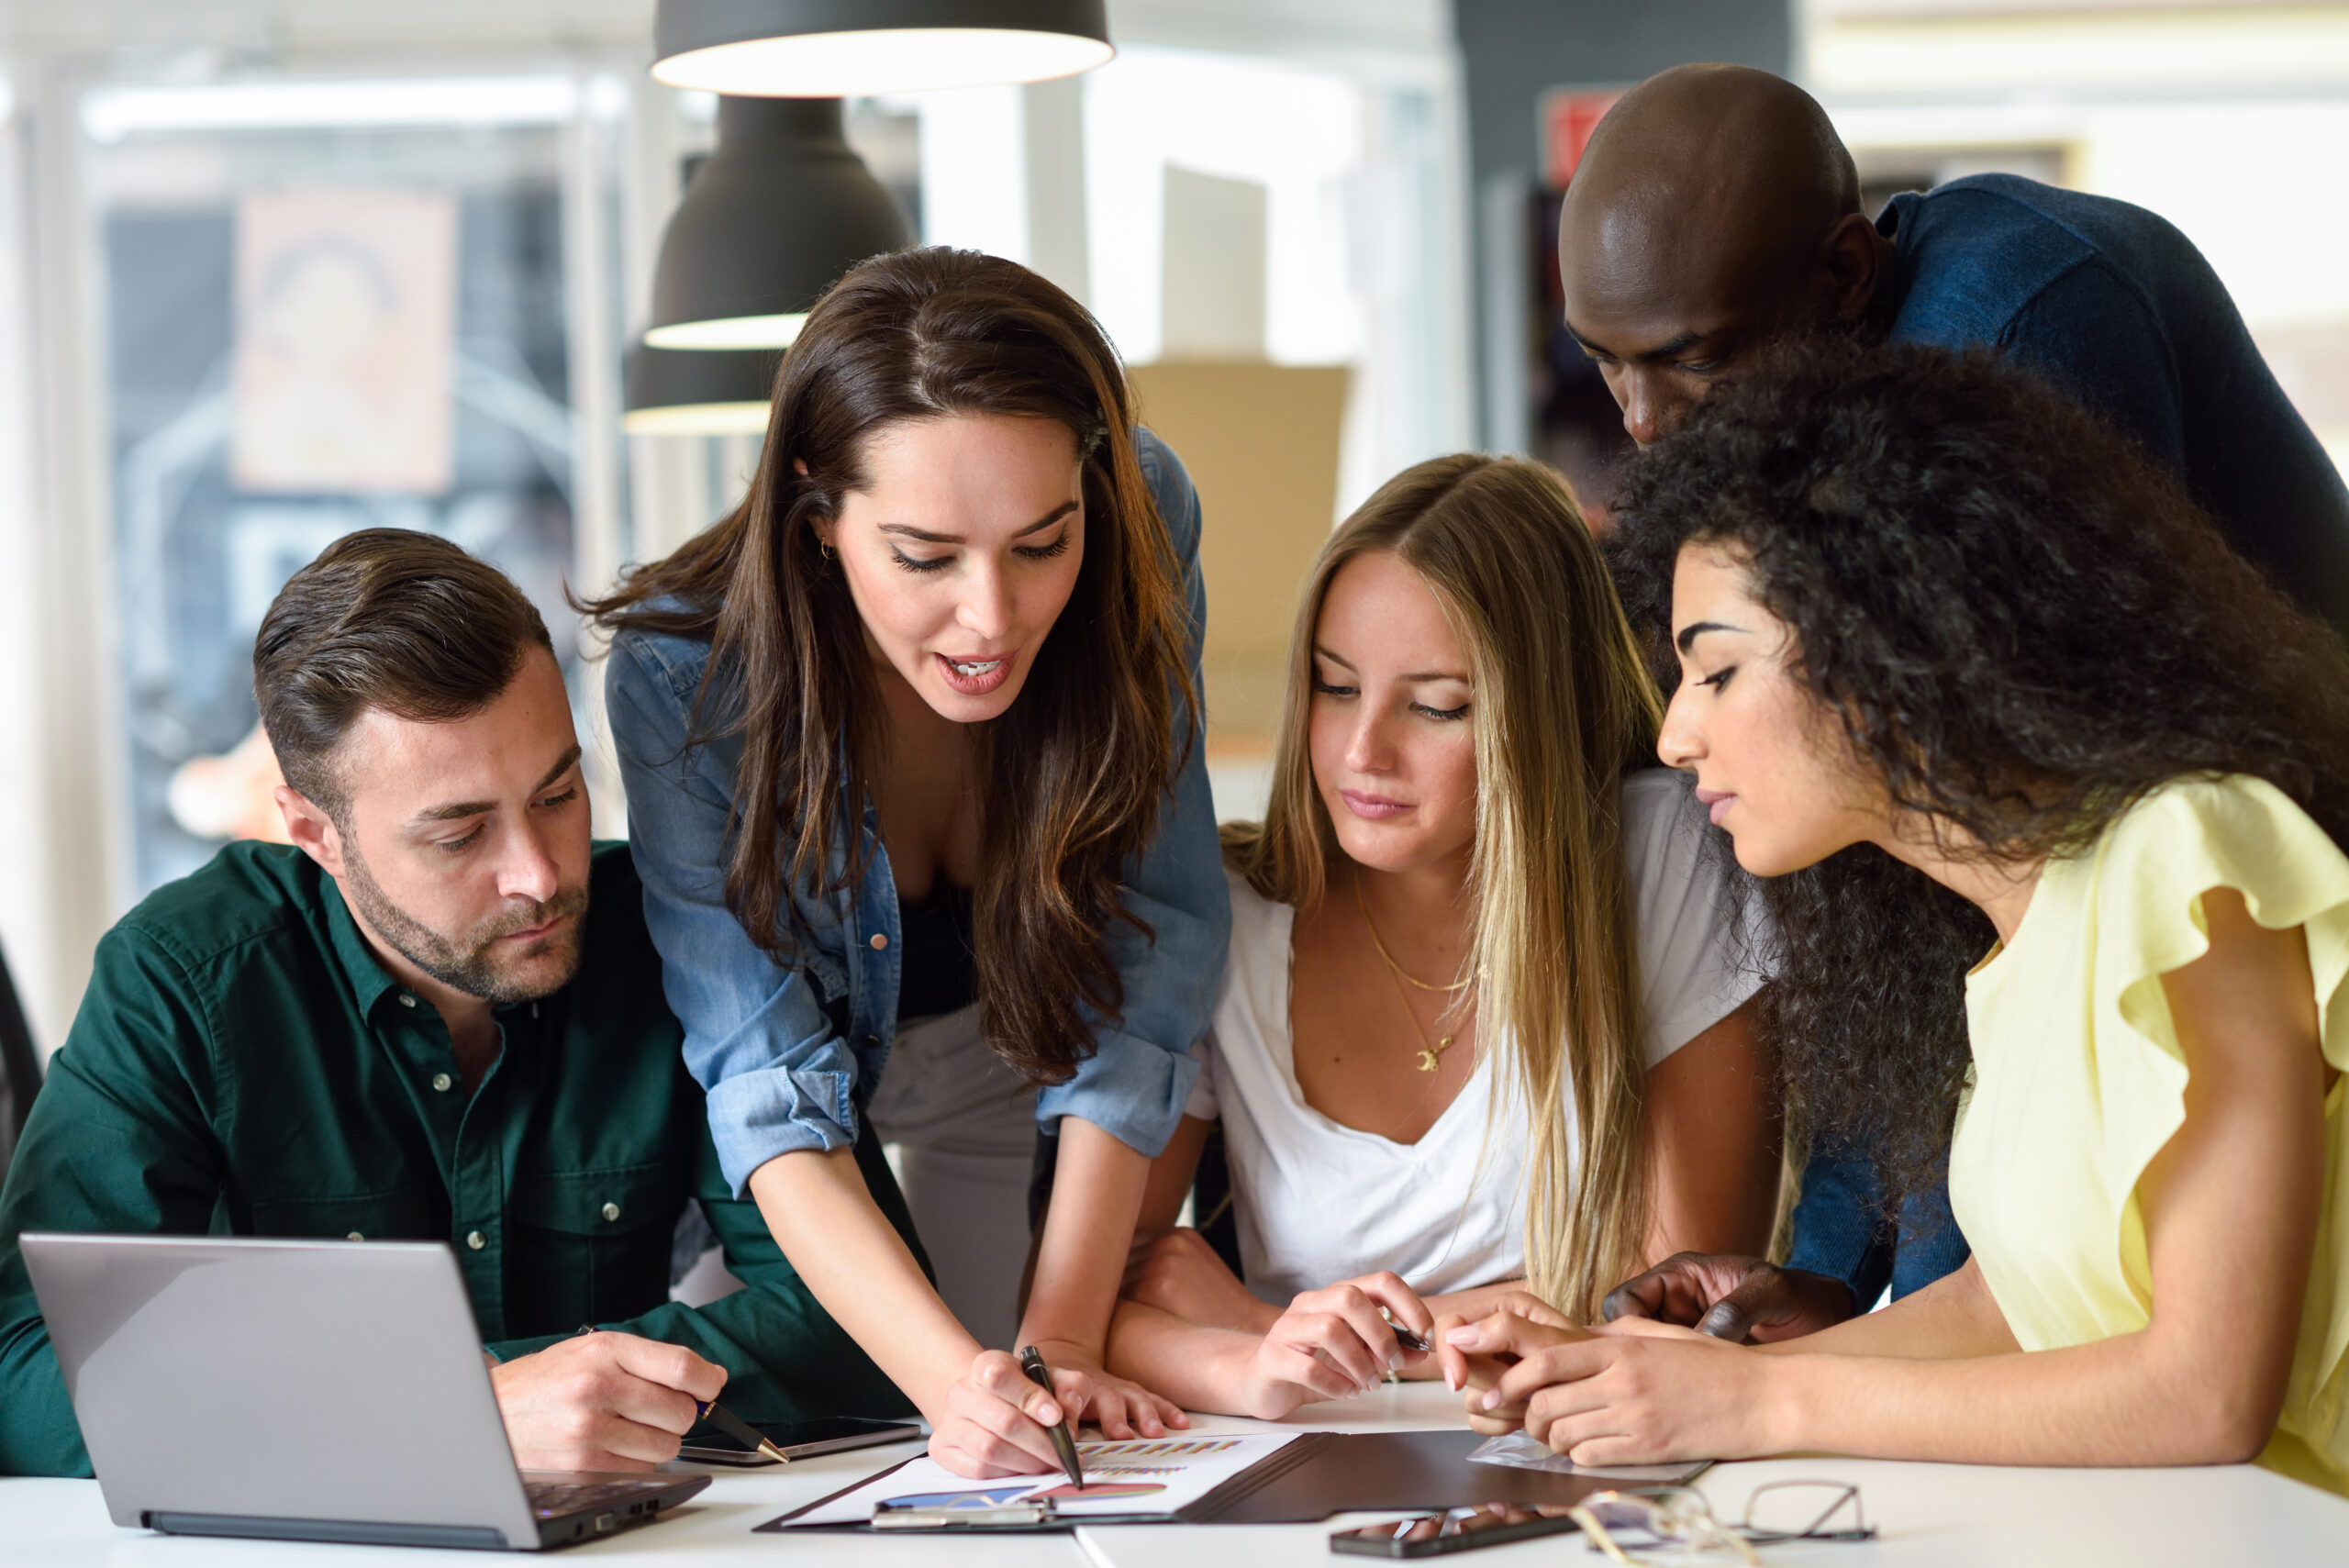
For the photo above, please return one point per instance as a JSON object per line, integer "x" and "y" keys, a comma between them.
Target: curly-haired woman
{"x": 2051, "y": 787}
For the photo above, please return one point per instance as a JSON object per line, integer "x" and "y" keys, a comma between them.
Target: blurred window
{"x": 326, "y": 308}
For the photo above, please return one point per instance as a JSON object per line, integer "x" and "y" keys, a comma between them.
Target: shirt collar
{"x": 370, "y": 981}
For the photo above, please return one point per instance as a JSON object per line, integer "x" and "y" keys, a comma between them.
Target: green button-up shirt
{"x": 243, "y": 1065}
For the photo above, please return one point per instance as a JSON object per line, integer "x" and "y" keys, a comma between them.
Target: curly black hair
{"x": 2024, "y": 627}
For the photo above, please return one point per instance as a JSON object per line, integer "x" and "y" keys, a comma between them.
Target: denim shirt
{"x": 1842, "y": 1229}
{"x": 2117, "y": 308}
{"x": 764, "y": 1036}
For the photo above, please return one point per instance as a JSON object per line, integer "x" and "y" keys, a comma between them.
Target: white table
{"x": 1928, "y": 1516}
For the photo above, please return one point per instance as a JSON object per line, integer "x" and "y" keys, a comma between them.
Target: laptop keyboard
{"x": 551, "y": 1499}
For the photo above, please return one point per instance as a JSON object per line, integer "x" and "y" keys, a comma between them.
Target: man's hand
{"x": 1182, "y": 1276}
{"x": 1332, "y": 1343}
{"x": 603, "y": 1401}
{"x": 1732, "y": 1298}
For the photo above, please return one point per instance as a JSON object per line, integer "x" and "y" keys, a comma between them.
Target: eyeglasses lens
{"x": 1794, "y": 1510}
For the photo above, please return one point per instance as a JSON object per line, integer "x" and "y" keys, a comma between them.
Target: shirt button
{"x": 476, "y": 1240}
{"x": 879, "y": 941}
{"x": 441, "y": 1081}
{"x": 611, "y": 1211}
{"x": 354, "y": 1236}
{"x": 407, "y": 1000}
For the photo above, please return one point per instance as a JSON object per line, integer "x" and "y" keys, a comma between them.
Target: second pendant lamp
{"x": 769, "y": 221}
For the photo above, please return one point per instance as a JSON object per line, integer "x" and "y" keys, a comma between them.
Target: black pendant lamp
{"x": 769, "y": 221}
{"x": 843, "y": 48}
{"x": 721, "y": 392}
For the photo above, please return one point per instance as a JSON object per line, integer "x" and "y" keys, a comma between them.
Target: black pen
{"x": 1032, "y": 1361}
{"x": 1408, "y": 1339}
{"x": 726, "y": 1421}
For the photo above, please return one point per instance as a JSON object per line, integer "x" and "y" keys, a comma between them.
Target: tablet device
{"x": 798, "y": 1440}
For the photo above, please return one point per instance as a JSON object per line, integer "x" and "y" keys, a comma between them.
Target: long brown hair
{"x": 1075, "y": 771}
{"x": 1563, "y": 709}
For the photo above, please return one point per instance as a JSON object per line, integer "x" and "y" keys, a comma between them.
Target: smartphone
{"x": 1454, "y": 1529}
{"x": 800, "y": 1440}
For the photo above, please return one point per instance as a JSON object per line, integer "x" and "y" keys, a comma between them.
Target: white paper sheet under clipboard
{"x": 1134, "y": 1481}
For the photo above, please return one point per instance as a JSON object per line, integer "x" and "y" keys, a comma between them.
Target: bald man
{"x": 1716, "y": 210}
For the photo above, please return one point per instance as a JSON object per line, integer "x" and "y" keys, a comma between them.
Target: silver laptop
{"x": 304, "y": 1390}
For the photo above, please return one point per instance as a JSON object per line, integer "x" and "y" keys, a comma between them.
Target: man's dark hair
{"x": 2023, "y": 627}
{"x": 385, "y": 619}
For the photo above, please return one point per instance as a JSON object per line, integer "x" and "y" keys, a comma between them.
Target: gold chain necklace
{"x": 1388, "y": 958}
{"x": 1431, "y": 1050}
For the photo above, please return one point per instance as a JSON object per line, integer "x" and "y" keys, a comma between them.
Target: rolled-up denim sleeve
{"x": 1839, "y": 1223}
{"x": 1137, "y": 1082}
{"x": 777, "y": 1075}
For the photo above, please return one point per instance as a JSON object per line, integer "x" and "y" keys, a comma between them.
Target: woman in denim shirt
{"x": 942, "y": 657}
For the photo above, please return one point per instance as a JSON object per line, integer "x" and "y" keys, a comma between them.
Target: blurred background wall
{"x": 271, "y": 270}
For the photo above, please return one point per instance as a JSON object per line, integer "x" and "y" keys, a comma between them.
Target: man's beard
{"x": 471, "y": 963}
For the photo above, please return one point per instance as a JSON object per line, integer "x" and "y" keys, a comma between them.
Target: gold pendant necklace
{"x": 1431, "y": 1051}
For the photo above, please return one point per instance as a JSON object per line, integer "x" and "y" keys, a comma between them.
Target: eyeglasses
{"x": 1676, "y": 1523}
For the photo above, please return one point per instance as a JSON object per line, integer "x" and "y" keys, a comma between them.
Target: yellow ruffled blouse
{"x": 2078, "y": 1080}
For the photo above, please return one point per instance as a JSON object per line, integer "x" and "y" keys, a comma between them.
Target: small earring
{"x": 825, "y": 550}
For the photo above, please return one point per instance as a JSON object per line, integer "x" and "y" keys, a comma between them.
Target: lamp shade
{"x": 674, "y": 392}
{"x": 841, "y": 47}
{"x": 769, "y": 221}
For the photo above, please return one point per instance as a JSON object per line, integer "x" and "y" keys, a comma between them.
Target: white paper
{"x": 1143, "y": 1475}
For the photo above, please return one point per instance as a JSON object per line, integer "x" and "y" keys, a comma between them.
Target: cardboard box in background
{"x": 1261, "y": 443}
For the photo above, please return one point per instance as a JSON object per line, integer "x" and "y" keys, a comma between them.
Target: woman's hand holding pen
{"x": 1121, "y": 1409}
{"x": 1335, "y": 1343}
{"x": 992, "y": 1421}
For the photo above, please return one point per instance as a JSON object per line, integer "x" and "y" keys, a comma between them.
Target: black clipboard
{"x": 1320, "y": 1475}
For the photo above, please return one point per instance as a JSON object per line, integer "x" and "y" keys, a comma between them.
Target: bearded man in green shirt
{"x": 436, "y": 1016}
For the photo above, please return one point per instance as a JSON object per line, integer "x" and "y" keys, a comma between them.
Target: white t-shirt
{"x": 1318, "y": 1202}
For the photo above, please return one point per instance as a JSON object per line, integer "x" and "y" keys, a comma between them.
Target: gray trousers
{"x": 960, "y": 1129}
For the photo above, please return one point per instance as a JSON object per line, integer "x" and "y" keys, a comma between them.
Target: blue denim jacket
{"x": 2117, "y": 308}
{"x": 761, "y": 1036}
{"x": 1841, "y": 1229}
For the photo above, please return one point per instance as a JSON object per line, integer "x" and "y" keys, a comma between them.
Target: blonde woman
{"x": 1482, "y": 1027}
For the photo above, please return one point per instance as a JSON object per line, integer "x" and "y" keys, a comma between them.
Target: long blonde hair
{"x": 1563, "y": 707}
